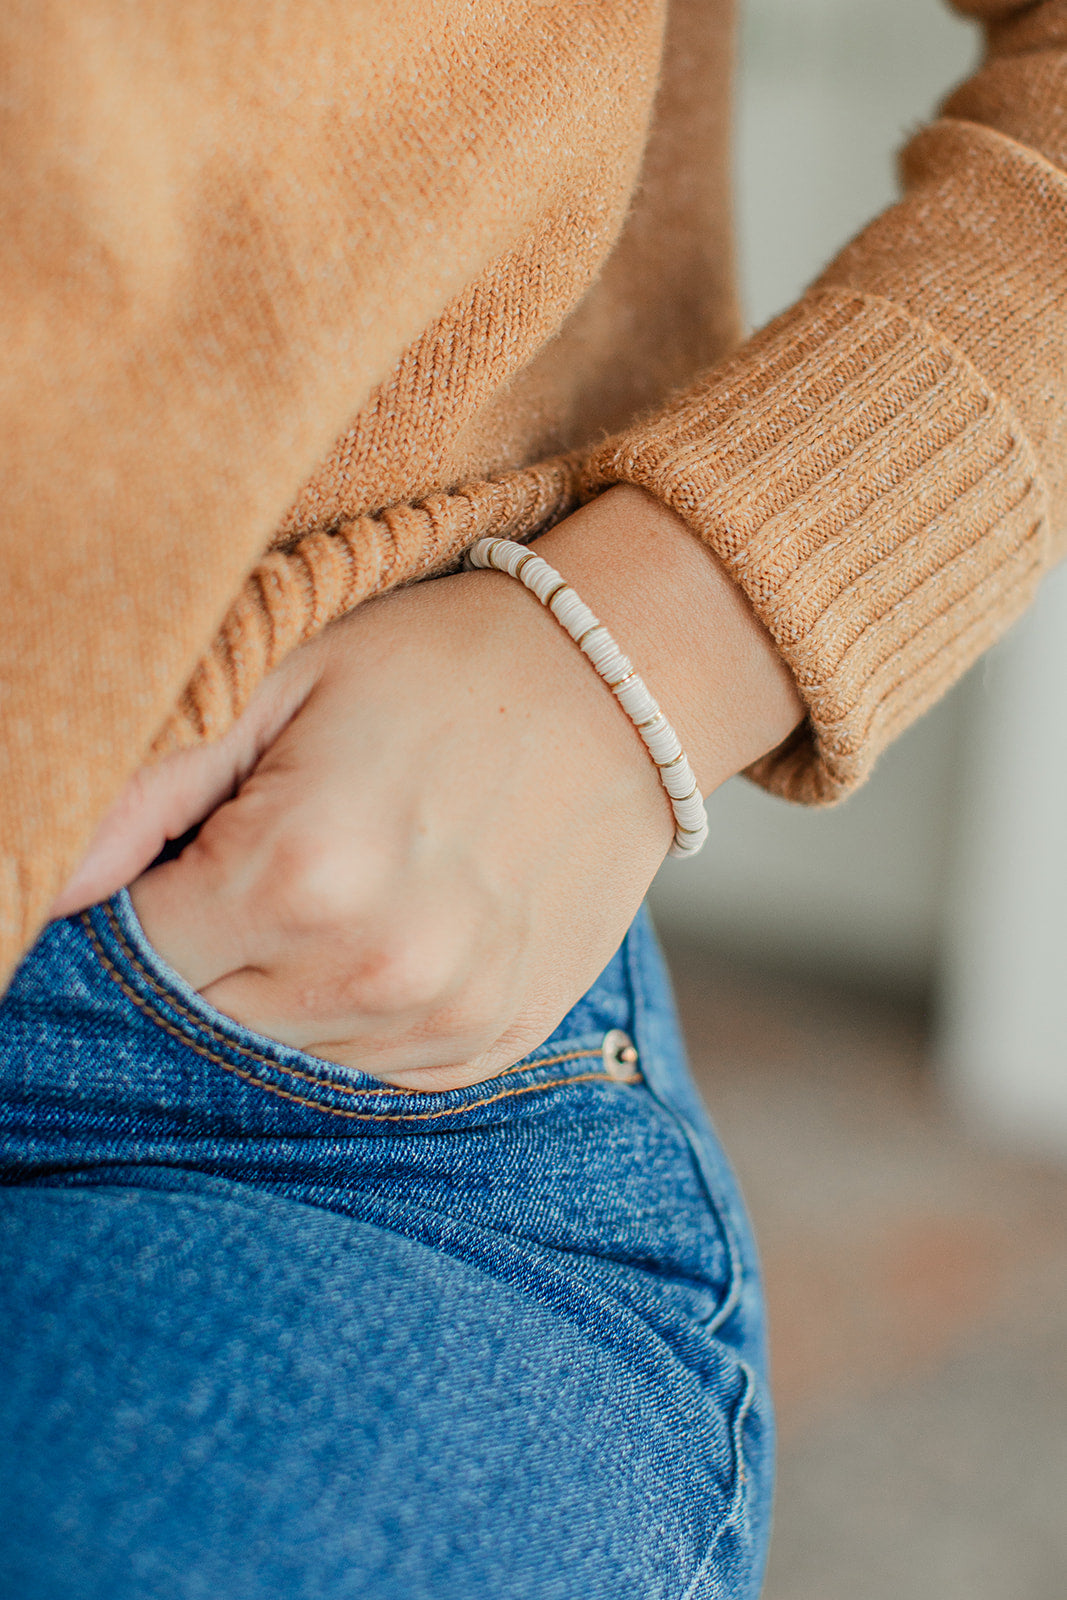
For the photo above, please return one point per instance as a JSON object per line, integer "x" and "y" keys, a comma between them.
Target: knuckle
{"x": 311, "y": 886}
{"x": 396, "y": 974}
{"x": 354, "y": 951}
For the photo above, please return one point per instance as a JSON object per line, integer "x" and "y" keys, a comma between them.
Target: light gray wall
{"x": 829, "y": 90}
{"x": 1002, "y": 1013}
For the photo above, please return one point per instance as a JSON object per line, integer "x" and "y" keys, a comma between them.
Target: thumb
{"x": 160, "y": 802}
{"x": 165, "y": 800}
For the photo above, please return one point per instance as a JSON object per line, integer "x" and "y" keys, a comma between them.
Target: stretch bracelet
{"x": 596, "y": 643}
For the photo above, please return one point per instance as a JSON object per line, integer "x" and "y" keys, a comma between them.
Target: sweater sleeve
{"x": 883, "y": 469}
{"x": 222, "y": 227}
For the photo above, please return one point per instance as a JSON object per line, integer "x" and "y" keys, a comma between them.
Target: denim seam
{"x": 338, "y": 1111}
{"x": 733, "y": 1294}
{"x": 740, "y": 1477}
{"x": 202, "y": 1025}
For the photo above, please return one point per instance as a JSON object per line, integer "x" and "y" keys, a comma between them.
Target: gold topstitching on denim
{"x": 203, "y": 1026}
{"x": 316, "y": 1105}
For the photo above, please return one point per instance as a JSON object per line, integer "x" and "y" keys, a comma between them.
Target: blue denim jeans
{"x": 273, "y": 1330}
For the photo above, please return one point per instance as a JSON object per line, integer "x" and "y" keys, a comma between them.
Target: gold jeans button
{"x": 620, "y": 1056}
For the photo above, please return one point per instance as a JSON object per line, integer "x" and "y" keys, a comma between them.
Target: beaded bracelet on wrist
{"x": 597, "y": 645}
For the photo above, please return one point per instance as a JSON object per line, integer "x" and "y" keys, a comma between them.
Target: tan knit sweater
{"x": 300, "y": 298}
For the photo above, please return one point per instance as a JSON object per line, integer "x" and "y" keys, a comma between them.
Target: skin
{"x": 432, "y": 826}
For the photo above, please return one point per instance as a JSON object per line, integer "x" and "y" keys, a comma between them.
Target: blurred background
{"x": 876, "y": 996}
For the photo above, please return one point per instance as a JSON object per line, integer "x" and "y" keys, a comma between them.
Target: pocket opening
{"x": 163, "y": 998}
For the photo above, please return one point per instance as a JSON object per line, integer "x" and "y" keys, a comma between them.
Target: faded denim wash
{"x": 272, "y": 1330}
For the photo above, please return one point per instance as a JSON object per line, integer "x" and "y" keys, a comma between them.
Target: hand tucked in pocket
{"x": 432, "y": 826}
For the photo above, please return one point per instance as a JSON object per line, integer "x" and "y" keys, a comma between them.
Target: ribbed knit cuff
{"x": 292, "y": 593}
{"x": 875, "y": 500}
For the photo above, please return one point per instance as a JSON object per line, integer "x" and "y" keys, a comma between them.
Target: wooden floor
{"x": 917, "y": 1286}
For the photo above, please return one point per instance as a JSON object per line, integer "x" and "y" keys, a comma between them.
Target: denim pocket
{"x": 591, "y": 1046}
{"x": 556, "y": 1147}
{"x": 571, "y": 1174}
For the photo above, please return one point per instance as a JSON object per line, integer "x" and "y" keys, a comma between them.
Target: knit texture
{"x": 298, "y": 588}
{"x": 884, "y": 533}
{"x": 300, "y": 303}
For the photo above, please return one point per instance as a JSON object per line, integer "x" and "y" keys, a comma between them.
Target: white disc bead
{"x": 596, "y": 643}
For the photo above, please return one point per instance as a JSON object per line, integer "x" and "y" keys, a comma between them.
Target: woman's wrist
{"x": 685, "y": 624}
{"x": 616, "y": 670}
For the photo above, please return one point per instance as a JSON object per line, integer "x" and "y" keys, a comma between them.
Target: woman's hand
{"x": 436, "y": 856}
{"x": 441, "y": 825}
